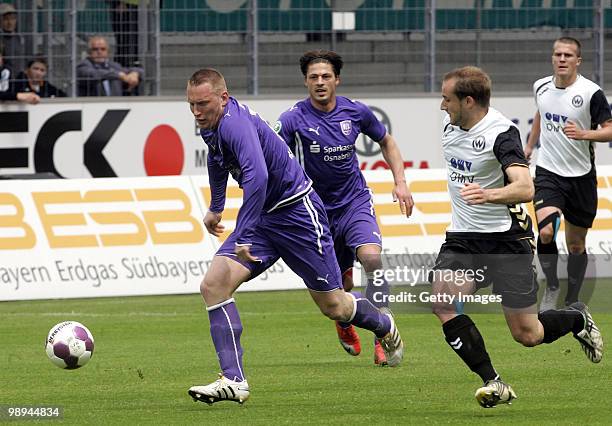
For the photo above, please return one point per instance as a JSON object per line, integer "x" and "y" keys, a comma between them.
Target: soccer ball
{"x": 69, "y": 345}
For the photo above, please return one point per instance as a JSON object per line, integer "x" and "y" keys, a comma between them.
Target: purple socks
{"x": 225, "y": 329}
{"x": 368, "y": 316}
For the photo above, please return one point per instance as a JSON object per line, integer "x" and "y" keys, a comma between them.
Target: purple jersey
{"x": 246, "y": 146}
{"x": 324, "y": 143}
{"x": 299, "y": 234}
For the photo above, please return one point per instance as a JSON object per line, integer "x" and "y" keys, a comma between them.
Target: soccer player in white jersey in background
{"x": 572, "y": 114}
{"x": 490, "y": 235}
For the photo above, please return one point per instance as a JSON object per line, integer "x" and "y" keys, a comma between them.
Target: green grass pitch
{"x": 150, "y": 350}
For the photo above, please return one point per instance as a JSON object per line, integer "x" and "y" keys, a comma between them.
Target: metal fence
{"x": 58, "y": 30}
{"x": 389, "y": 46}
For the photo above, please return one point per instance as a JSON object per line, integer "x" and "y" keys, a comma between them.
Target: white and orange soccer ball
{"x": 69, "y": 345}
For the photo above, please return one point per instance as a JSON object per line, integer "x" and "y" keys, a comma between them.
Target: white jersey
{"x": 481, "y": 155}
{"x": 585, "y": 104}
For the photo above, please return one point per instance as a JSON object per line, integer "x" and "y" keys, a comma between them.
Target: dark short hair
{"x": 318, "y": 56}
{"x": 471, "y": 81}
{"x": 210, "y": 76}
{"x": 39, "y": 59}
{"x": 570, "y": 40}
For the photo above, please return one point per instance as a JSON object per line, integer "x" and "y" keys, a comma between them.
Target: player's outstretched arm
{"x": 602, "y": 134}
{"x": 393, "y": 157}
{"x": 519, "y": 190}
{"x": 534, "y": 135}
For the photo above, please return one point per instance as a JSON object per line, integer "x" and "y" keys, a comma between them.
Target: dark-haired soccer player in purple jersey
{"x": 280, "y": 217}
{"x": 321, "y": 131}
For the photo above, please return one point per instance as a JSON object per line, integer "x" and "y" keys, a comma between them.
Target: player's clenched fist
{"x": 473, "y": 193}
{"x": 212, "y": 223}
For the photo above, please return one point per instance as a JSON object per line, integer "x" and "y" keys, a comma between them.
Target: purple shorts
{"x": 299, "y": 234}
{"x": 352, "y": 226}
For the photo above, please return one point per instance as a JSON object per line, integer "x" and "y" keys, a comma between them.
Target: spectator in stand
{"x": 17, "y": 46}
{"x": 7, "y": 90}
{"x": 32, "y": 80}
{"x": 98, "y": 75}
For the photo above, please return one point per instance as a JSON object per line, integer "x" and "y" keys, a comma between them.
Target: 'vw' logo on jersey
{"x": 346, "y": 127}
{"x": 478, "y": 144}
{"x": 577, "y": 101}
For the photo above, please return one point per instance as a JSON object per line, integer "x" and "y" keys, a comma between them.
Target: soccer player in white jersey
{"x": 572, "y": 114}
{"x": 489, "y": 239}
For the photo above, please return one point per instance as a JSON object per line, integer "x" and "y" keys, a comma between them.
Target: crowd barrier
{"x": 72, "y": 238}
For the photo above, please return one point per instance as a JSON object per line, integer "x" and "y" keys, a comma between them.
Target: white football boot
{"x": 494, "y": 392}
{"x": 392, "y": 343}
{"x": 590, "y": 337}
{"x": 549, "y": 299}
{"x": 222, "y": 389}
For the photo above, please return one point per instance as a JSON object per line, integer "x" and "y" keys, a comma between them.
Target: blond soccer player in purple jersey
{"x": 321, "y": 131}
{"x": 281, "y": 217}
